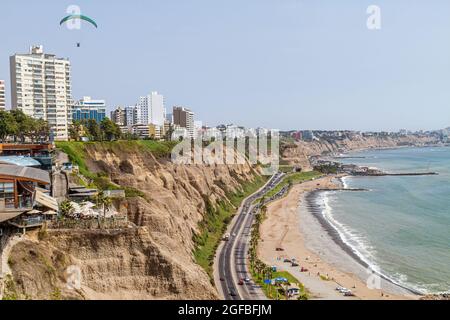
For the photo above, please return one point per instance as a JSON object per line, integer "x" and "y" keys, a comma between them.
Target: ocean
{"x": 401, "y": 226}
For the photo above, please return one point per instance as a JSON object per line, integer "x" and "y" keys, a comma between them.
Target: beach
{"x": 290, "y": 225}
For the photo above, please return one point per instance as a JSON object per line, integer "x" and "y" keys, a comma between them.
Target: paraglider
{"x": 78, "y": 17}
{"x": 73, "y": 21}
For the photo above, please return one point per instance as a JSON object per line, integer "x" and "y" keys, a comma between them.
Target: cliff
{"x": 166, "y": 203}
{"x": 298, "y": 153}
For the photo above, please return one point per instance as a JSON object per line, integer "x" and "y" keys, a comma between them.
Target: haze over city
{"x": 278, "y": 64}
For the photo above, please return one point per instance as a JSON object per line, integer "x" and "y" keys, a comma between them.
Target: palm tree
{"x": 66, "y": 208}
{"x": 103, "y": 201}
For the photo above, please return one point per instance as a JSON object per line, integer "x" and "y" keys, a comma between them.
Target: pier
{"x": 406, "y": 174}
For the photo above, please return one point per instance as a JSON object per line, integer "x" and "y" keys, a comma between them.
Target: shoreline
{"x": 316, "y": 211}
{"x": 291, "y": 226}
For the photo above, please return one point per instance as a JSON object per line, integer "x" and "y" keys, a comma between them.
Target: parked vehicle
{"x": 241, "y": 282}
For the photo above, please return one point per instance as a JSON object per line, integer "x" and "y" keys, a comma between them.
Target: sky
{"x": 281, "y": 64}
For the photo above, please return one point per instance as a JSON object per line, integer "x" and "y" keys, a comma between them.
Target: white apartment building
{"x": 142, "y": 111}
{"x": 41, "y": 88}
{"x": 152, "y": 110}
{"x": 2, "y": 95}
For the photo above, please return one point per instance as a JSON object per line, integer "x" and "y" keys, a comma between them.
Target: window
{"x": 7, "y": 193}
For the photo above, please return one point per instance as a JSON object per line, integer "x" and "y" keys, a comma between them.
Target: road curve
{"x": 231, "y": 265}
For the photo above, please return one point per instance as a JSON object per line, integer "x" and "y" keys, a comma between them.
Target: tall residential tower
{"x": 184, "y": 118}
{"x": 151, "y": 109}
{"x": 41, "y": 88}
{"x": 2, "y": 95}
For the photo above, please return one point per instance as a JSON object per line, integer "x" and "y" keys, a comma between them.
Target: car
{"x": 349, "y": 294}
{"x": 222, "y": 279}
{"x": 247, "y": 280}
{"x": 232, "y": 293}
{"x": 279, "y": 249}
{"x": 241, "y": 282}
{"x": 287, "y": 261}
{"x": 295, "y": 264}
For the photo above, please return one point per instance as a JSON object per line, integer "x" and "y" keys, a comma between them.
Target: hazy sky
{"x": 282, "y": 64}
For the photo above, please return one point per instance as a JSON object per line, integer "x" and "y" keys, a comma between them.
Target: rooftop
{"x": 20, "y": 161}
{"x": 33, "y": 174}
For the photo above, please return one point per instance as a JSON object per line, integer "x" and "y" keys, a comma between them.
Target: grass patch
{"x": 158, "y": 148}
{"x": 292, "y": 179}
{"x": 76, "y": 152}
{"x": 215, "y": 223}
{"x": 277, "y": 292}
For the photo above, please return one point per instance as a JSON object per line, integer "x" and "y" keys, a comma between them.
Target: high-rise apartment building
{"x": 118, "y": 116}
{"x": 152, "y": 110}
{"x": 129, "y": 116}
{"x": 41, "y": 88}
{"x": 88, "y": 108}
{"x": 2, "y": 95}
{"x": 184, "y": 118}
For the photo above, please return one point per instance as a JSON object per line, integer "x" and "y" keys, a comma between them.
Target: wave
{"x": 360, "y": 246}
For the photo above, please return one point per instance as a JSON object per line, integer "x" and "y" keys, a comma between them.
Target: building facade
{"x": 129, "y": 116}
{"x": 88, "y": 108}
{"x": 2, "y": 95}
{"x": 184, "y": 118}
{"x": 151, "y": 109}
{"x": 41, "y": 88}
{"x": 118, "y": 116}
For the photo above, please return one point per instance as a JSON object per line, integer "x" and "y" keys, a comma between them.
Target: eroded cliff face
{"x": 299, "y": 153}
{"x": 125, "y": 264}
{"x": 154, "y": 260}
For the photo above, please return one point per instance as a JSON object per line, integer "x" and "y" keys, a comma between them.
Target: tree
{"x": 25, "y": 124}
{"x": 66, "y": 208}
{"x": 75, "y": 130}
{"x": 8, "y": 125}
{"x": 93, "y": 130}
{"x": 39, "y": 130}
{"x": 110, "y": 130}
{"x": 103, "y": 201}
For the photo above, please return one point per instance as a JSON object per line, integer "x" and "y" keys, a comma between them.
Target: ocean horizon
{"x": 401, "y": 226}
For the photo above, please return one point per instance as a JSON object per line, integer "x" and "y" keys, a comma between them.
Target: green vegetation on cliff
{"x": 215, "y": 223}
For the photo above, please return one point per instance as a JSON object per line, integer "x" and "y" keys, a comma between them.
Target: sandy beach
{"x": 290, "y": 225}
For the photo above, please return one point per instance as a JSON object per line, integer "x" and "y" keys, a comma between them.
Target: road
{"x": 231, "y": 264}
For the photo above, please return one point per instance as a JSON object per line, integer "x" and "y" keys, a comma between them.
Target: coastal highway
{"x": 231, "y": 264}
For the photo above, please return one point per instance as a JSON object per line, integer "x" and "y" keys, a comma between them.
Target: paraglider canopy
{"x": 78, "y": 17}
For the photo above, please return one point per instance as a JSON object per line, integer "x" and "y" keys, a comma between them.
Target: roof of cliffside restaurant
{"x": 20, "y": 161}
{"x": 25, "y": 173}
